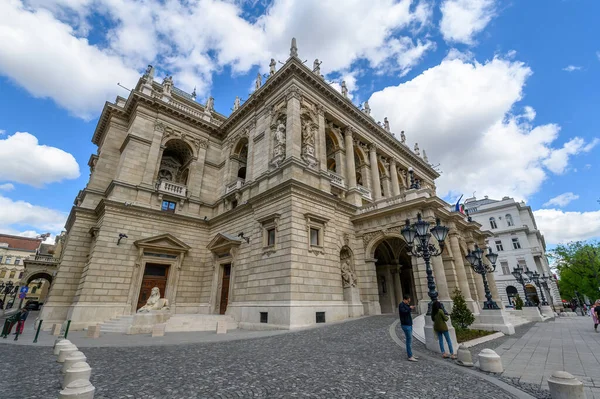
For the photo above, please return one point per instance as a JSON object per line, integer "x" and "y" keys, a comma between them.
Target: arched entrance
{"x": 531, "y": 293}
{"x": 38, "y": 284}
{"x": 511, "y": 293}
{"x": 394, "y": 274}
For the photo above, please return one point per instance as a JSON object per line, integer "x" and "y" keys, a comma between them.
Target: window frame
{"x": 509, "y": 220}
{"x": 168, "y": 202}
{"x": 506, "y": 271}
{"x": 493, "y": 224}
{"x": 318, "y": 223}
{"x": 516, "y": 244}
{"x": 269, "y": 224}
{"x": 499, "y": 246}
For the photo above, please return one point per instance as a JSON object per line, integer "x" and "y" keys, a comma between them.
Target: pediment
{"x": 166, "y": 242}
{"x": 223, "y": 241}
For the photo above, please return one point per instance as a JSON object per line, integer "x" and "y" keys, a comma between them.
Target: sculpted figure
{"x": 344, "y": 89}
{"x": 210, "y": 104}
{"x": 236, "y": 103}
{"x": 155, "y": 302}
{"x": 167, "y": 84}
{"x": 402, "y": 137}
{"x": 386, "y": 124}
{"x": 258, "y": 82}
{"x": 425, "y": 157}
{"x": 317, "y": 67}
{"x": 367, "y": 108}
{"x": 348, "y": 276}
{"x": 416, "y": 149}
{"x": 272, "y": 66}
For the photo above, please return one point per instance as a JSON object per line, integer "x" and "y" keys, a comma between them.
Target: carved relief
{"x": 278, "y": 132}
{"x": 309, "y": 132}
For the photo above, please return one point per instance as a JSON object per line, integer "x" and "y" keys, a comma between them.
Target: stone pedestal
{"x": 532, "y": 313}
{"x": 490, "y": 361}
{"x": 56, "y": 329}
{"x": 564, "y": 386}
{"x": 464, "y": 356}
{"x": 431, "y": 337}
{"x": 355, "y": 306}
{"x": 221, "y": 327}
{"x": 493, "y": 320}
{"x": 547, "y": 311}
{"x": 143, "y": 323}
{"x": 93, "y": 331}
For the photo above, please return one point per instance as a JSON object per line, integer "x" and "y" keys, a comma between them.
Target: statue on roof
{"x": 367, "y": 109}
{"x": 210, "y": 105}
{"x": 294, "y": 48}
{"x": 258, "y": 82}
{"x": 272, "y": 66}
{"x": 344, "y": 89}
{"x": 425, "y": 157}
{"x": 317, "y": 67}
{"x": 416, "y": 149}
{"x": 236, "y": 103}
{"x": 386, "y": 124}
{"x": 167, "y": 84}
{"x": 149, "y": 74}
{"x": 402, "y": 137}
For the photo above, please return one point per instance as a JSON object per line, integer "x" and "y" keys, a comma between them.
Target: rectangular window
{"x": 320, "y": 317}
{"x": 499, "y": 246}
{"x": 522, "y": 264}
{"x": 18, "y": 261}
{"x": 8, "y": 260}
{"x": 12, "y": 275}
{"x": 168, "y": 206}
{"x": 314, "y": 237}
{"x": 21, "y": 275}
{"x": 264, "y": 317}
{"x": 516, "y": 244}
{"x": 505, "y": 268}
{"x": 271, "y": 237}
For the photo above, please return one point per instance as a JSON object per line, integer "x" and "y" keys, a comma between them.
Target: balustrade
{"x": 176, "y": 189}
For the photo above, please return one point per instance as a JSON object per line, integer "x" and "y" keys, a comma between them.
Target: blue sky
{"x": 502, "y": 94}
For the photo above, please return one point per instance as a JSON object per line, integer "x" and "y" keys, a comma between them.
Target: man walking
{"x": 406, "y": 322}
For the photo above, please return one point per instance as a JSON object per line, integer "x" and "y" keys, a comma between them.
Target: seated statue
{"x": 155, "y": 302}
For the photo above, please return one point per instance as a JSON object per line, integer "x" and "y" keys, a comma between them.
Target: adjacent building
{"x": 518, "y": 242}
{"x": 283, "y": 214}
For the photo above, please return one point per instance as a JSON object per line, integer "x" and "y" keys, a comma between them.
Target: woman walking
{"x": 595, "y": 314}
{"x": 441, "y": 328}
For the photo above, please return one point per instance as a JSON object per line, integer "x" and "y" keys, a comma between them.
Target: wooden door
{"x": 155, "y": 275}
{"x": 225, "y": 288}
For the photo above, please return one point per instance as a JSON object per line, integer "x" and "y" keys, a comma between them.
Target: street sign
{"x": 22, "y": 295}
{"x": 24, "y": 289}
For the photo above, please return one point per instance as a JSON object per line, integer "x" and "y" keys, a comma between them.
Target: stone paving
{"x": 346, "y": 360}
{"x": 568, "y": 344}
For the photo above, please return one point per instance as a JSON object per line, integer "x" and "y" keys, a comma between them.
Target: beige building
{"x": 283, "y": 214}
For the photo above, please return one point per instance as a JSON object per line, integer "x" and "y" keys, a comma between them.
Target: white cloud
{"x": 7, "y": 187}
{"x": 559, "y": 159}
{"x": 15, "y": 216}
{"x": 562, "y": 200}
{"x": 191, "y": 40}
{"x": 571, "y": 68}
{"x": 561, "y": 227}
{"x": 463, "y": 19}
{"x": 460, "y": 113}
{"x": 25, "y": 161}
{"x": 528, "y": 113}
{"x": 2, "y": 131}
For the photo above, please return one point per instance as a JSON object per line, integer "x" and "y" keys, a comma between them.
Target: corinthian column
{"x": 376, "y": 181}
{"x": 440, "y": 278}
{"x": 350, "y": 166}
{"x": 394, "y": 176}
{"x": 461, "y": 273}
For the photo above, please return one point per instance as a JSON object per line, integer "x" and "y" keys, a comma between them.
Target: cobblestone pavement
{"x": 355, "y": 359}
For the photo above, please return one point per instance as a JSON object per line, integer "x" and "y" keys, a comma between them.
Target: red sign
{"x": 22, "y": 295}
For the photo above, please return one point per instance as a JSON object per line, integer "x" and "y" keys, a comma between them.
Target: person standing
{"x": 596, "y": 315}
{"x": 406, "y": 322}
{"x": 22, "y": 318}
{"x": 441, "y": 328}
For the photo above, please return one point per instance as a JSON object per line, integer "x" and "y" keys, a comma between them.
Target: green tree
{"x": 578, "y": 266}
{"x": 518, "y": 303}
{"x": 461, "y": 316}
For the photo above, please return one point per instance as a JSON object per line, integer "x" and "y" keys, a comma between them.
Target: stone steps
{"x": 119, "y": 325}
{"x": 198, "y": 322}
{"x": 516, "y": 320}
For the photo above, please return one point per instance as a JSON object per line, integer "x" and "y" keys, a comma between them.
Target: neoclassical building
{"x": 283, "y": 214}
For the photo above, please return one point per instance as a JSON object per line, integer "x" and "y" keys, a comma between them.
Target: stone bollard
{"x": 61, "y": 344}
{"x": 78, "y": 371}
{"x": 490, "y": 361}
{"x": 93, "y": 331}
{"x": 74, "y": 357}
{"x": 564, "y": 386}
{"x": 78, "y": 389}
{"x": 65, "y": 352}
{"x": 56, "y": 341}
{"x": 464, "y": 356}
{"x": 221, "y": 327}
{"x": 56, "y": 329}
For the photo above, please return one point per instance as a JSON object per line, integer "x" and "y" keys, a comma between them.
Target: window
{"x": 505, "y": 268}
{"x": 271, "y": 237}
{"x": 21, "y": 275}
{"x": 264, "y": 317}
{"x": 168, "y": 206}
{"x": 499, "y": 246}
{"x": 12, "y": 275}
{"x": 314, "y": 237}
{"x": 8, "y": 260}
{"x": 516, "y": 244}
{"x": 493, "y": 224}
{"x": 34, "y": 290}
{"x": 522, "y": 264}
{"x": 315, "y": 230}
{"x": 18, "y": 261}
{"x": 509, "y": 220}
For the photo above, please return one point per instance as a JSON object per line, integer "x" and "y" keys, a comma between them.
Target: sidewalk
{"x": 568, "y": 344}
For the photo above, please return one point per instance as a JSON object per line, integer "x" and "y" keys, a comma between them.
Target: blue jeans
{"x": 441, "y": 336}
{"x": 408, "y": 334}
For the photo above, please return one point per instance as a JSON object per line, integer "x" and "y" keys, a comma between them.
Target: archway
{"x": 38, "y": 284}
{"x": 394, "y": 273}
{"x": 511, "y": 293}
{"x": 240, "y": 157}
{"x": 175, "y": 162}
{"x": 531, "y": 293}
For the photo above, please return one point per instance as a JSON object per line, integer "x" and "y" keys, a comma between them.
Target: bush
{"x": 467, "y": 335}
{"x": 518, "y": 303}
{"x": 461, "y": 316}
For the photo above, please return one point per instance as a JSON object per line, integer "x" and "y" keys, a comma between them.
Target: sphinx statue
{"x": 155, "y": 302}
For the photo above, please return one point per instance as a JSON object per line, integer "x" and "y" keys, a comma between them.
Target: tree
{"x": 518, "y": 303}
{"x": 461, "y": 316}
{"x": 578, "y": 265}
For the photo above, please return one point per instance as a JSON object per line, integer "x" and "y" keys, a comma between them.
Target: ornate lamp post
{"x": 417, "y": 237}
{"x": 535, "y": 277}
{"x": 475, "y": 259}
{"x": 7, "y": 289}
{"x": 518, "y": 275}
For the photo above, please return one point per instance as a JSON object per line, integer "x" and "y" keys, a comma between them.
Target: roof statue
{"x": 367, "y": 109}
{"x": 210, "y": 105}
{"x": 167, "y": 84}
{"x": 149, "y": 74}
{"x": 236, "y": 103}
{"x": 344, "y": 89}
{"x": 272, "y": 67}
{"x": 294, "y": 48}
{"x": 194, "y": 93}
{"x": 416, "y": 149}
{"x": 402, "y": 137}
{"x": 386, "y": 124}
{"x": 317, "y": 67}
{"x": 258, "y": 82}
{"x": 425, "y": 157}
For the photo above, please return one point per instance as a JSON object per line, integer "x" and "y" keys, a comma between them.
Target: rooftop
{"x": 17, "y": 242}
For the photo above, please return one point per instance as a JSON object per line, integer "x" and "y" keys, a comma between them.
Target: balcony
{"x": 170, "y": 188}
{"x": 234, "y": 186}
{"x": 336, "y": 179}
{"x": 41, "y": 260}
{"x": 366, "y": 193}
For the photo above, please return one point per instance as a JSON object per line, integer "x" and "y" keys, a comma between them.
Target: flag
{"x": 459, "y": 207}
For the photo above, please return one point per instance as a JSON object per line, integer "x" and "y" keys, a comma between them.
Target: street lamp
{"x": 535, "y": 277}
{"x": 518, "y": 275}
{"x": 7, "y": 289}
{"x": 417, "y": 237}
{"x": 475, "y": 259}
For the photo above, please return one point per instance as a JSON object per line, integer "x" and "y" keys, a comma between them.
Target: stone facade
{"x": 252, "y": 215}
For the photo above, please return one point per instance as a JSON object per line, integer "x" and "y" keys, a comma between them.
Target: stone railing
{"x": 234, "y": 186}
{"x": 336, "y": 179}
{"x": 193, "y": 111}
{"x": 167, "y": 187}
{"x": 42, "y": 258}
{"x": 366, "y": 193}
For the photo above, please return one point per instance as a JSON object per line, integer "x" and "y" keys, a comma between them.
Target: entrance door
{"x": 225, "y": 288}
{"x": 155, "y": 275}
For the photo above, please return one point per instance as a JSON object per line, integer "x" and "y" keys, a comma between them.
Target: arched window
{"x": 511, "y": 292}
{"x": 509, "y": 220}
{"x": 493, "y": 224}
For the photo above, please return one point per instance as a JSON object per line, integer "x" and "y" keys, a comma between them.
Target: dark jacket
{"x": 405, "y": 316}
{"x": 439, "y": 321}
{"x": 24, "y": 315}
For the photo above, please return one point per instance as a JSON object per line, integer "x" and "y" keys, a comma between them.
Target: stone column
{"x": 250, "y": 160}
{"x": 494, "y": 289}
{"x": 461, "y": 274}
{"x": 197, "y": 171}
{"x": 154, "y": 156}
{"x": 375, "y": 180}
{"x": 440, "y": 278}
{"x": 350, "y": 166}
{"x": 386, "y": 184}
{"x": 322, "y": 150}
{"x": 293, "y": 128}
{"x": 397, "y": 283}
{"x": 394, "y": 177}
